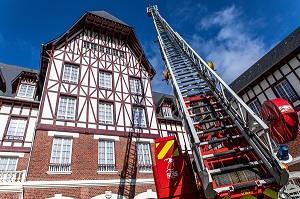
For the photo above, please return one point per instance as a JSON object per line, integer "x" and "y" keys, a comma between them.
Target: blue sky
{"x": 232, "y": 34}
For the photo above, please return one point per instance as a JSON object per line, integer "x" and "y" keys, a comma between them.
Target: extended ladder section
{"x": 231, "y": 148}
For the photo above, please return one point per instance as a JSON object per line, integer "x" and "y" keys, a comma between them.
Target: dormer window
{"x": 167, "y": 112}
{"x": 26, "y": 90}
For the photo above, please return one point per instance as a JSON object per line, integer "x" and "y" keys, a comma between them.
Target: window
{"x": 105, "y": 113}
{"x": 256, "y": 107}
{"x": 144, "y": 159}
{"x": 102, "y": 49}
{"x": 8, "y": 164}
{"x": 107, "y": 50}
{"x": 138, "y": 117}
{"x": 105, "y": 80}
{"x": 166, "y": 111}
{"x": 70, "y": 73}
{"x": 61, "y": 154}
{"x": 122, "y": 54}
{"x": 26, "y": 91}
{"x": 66, "y": 108}
{"x": 86, "y": 44}
{"x": 115, "y": 52}
{"x": 16, "y": 129}
{"x": 135, "y": 86}
{"x": 106, "y": 155}
{"x": 94, "y": 46}
{"x": 172, "y": 134}
{"x": 285, "y": 91}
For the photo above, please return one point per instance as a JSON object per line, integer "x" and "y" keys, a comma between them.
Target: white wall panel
{"x": 271, "y": 79}
{"x": 5, "y": 108}
{"x": 285, "y": 69}
{"x": 294, "y": 62}
{"x": 277, "y": 74}
{"x": 294, "y": 82}
{"x": 270, "y": 94}
{"x": 264, "y": 84}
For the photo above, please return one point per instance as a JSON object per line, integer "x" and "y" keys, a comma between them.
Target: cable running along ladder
{"x": 231, "y": 148}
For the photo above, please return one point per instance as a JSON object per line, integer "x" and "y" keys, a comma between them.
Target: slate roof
{"x": 10, "y": 73}
{"x": 108, "y": 16}
{"x": 158, "y": 99}
{"x": 279, "y": 52}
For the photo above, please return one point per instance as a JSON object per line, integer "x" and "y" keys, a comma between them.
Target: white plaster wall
{"x": 270, "y": 94}
{"x": 294, "y": 62}
{"x": 277, "y": 74}
{"x": 294, "y": 82}
{"x": 4, "y": 121}
{"x": 264, "y": 84}
{"x": 271, "y": 79}
{"x": 285, "y": 69}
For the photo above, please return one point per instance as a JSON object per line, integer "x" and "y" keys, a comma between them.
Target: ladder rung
{"x": 202, "y": 105}
{"x": 221, "y": 140}
{"x": 200, "y": 99}
{"x": 248, "y": 148}
{"x": 207, "y": 112}
{"x": 234, "y": 167}
{"x": 213, "y": 119}
{"x": 255, "y": 183}
{"x": 217, "y": 129}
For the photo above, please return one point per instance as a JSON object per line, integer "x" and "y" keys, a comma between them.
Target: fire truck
{"x": 232, "y": 153}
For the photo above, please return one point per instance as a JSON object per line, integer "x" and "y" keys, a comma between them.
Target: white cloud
{"x": 233, "y": 49}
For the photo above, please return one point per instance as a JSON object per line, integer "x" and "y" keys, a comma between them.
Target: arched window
{"x": 146, "y": 195}
{"x": 60, "y": 196}
{"x": 114, "y": 196}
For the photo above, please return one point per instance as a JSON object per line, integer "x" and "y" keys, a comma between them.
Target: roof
{"x": 108, "y": 23}
{"x": 274, "y": 56}
{"x": 10, "y": 73}
{"x": 158, "y": 99}
{"x": 108, "y": 16}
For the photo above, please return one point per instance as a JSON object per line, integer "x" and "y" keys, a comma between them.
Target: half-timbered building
{"x": 275, "y": 75}
{"x": 170, "y": 119}
{"x": 19, "y": 103}
{"x": 97, "y": 120}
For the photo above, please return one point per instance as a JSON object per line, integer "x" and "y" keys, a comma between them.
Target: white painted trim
{"x": 107, "y": 172}
{"x": 145, "y": 171}
{"x": 12, "y": 154}
{"x": 107, "y": 137}
{"x": 143, "y": 140}
{"x": 59, "y": 172}
{"x": 64, "y": 134}
{"x": 294, "y": 161}
{"x": 73, "y": 183}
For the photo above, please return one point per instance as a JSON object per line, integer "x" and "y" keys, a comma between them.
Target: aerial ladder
{"x": 232, "y": 153}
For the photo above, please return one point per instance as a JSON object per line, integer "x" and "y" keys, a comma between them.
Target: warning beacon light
{"x": 283, "y": 152}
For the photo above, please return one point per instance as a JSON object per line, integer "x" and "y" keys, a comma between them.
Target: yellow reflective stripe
{"x": 270, "y": 193}
{"x": 156, "y": 145}
{"x": 176, "y": 153}
{"x": 248, "y": 197}
{"x": 165, "y": 149}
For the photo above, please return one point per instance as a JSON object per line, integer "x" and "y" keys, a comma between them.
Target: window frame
{"x": 169, "y": 112}
{"x": 135, "y": 86}
{"x": 62, "y": 166}
{"x": 143, "y": 116}
{"x": 8, "y": 163}
{"x": 143, "y": 166}
{"x": 106, "y": 74}
{"x": 65, "y": 116}
{"x": 284, "y": 93}
{"x": 9, "y": 136}
{"x": 26, "y": 90}
{"x": 106, "y": 166}
{"x": 105, "y": 116}
{"x": 69, "y": 79}
{"x": 256, "y": 105}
